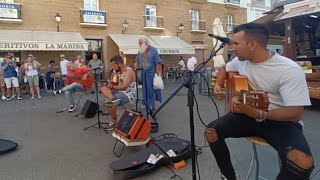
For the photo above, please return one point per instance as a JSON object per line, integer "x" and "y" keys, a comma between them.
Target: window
{"x": 258, "y": 13}
{"x": 151, "y": 16}
{"x": 91, "y": 5}
{"x": 229, "y": 23}
{"x": 232, "y": 1}
{"x": 260, "y": 1}
{"x": 8, "y": 1}
{"x": 194, "y": 16}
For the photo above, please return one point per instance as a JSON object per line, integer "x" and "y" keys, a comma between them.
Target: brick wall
{"x": 39, "y": 16}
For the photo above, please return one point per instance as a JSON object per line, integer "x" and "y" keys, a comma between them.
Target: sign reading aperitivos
{"x": 43, "y": 46}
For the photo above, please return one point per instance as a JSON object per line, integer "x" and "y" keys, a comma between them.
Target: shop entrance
{"x": 94, "y": 46}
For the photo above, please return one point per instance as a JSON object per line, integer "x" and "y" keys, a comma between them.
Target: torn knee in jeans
{"x": 300, "y": 159}
{"x": 211, "y": 135}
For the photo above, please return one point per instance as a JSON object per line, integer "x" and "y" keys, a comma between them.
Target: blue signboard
{"x": 8, "y": 10}
{"x": 97, "y": 17}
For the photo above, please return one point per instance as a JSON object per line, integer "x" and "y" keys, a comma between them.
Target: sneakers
{"x": 8, "y": 98}
{"x": 39, "y": 97}
{"x": 3, "y": 98}
{"x": 113, "y": 103}
{"x": 72, "y": 108}
{"x": 13, "y": 96}
{"x": 19, "y": 98}
{"x": 222, "y": 177}
{"x": 57, "y": 92}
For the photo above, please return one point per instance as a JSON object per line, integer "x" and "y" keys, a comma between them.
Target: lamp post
{"x": 58, "y": 18}
{"x": 125, "y": 25}
{"x": 181, "y": 27}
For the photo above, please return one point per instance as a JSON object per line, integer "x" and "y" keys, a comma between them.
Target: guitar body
{"x": 76, "y": 76}
{"x": 238, "y": 85}
{"x": 235, "y": 83}
{"x": 87, "y": 83}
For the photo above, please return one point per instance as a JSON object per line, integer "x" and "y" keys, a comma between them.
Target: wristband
{"x": 262, "y": 116}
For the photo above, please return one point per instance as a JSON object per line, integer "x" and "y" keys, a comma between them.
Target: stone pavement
{"x": 54, "y": 146}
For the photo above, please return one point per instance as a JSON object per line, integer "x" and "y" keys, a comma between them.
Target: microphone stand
{"x": 99, "y": 123}
{"x": 188, "y": 83}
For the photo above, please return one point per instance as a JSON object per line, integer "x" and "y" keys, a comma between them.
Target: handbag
{"x": 25, "y": 79}
{"x": 14, "y": 72}
{"x": 157, "y": 82}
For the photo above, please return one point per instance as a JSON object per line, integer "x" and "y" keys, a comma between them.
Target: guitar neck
{"x": 240, "y": 86}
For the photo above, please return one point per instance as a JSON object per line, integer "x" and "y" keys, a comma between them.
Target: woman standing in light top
{"x": 31, "y": 67}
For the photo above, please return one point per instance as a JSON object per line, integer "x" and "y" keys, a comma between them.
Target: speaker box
{"x": 89, "y": 109}
{"x": 133, "y": 125}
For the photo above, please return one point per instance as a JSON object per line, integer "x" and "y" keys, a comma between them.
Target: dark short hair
{"x": 52, "y": 61}
{"x": 117, "y": 59}
{"x": 258, "y": 32}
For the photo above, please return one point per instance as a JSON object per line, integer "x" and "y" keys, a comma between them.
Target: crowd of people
{"x": 16, "y": 75}
{"x": 26, "y": 75}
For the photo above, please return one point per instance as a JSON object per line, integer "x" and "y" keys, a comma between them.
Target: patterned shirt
{"x": 131, "y": 91}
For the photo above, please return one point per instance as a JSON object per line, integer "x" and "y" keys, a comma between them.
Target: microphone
{"x": 225, "y": 40}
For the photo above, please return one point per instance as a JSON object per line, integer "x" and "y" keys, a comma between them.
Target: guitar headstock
{"x": 258, "y": 99}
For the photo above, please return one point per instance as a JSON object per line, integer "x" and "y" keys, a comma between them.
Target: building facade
{"x": 101, "y": 24}
{"x": 258, "y": 8}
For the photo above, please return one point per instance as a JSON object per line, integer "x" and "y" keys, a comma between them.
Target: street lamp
{"x": 125, "y": 25}
{"x": 58, "y": 18}
{"x": 181, "y": 27}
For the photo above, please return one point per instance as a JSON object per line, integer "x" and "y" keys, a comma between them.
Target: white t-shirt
{"x": 282, "y": 78}
{"x": 191, "y": 63}
{"x": 63, "y": 66}
{"x": 182, "y": 64}
{"x": 30, "y": 71}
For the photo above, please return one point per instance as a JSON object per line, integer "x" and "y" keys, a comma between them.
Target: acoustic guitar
{"x": 74, "y": 76}
{"x": 238, "y": 85}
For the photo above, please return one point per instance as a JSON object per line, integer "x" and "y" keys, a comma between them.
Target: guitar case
{"x": 7, "y": 146}
{"x": 136, "y": 164}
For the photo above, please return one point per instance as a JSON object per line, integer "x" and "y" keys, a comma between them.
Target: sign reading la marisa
{"x": 98, "y": 17}
{"x": 8, "y": 10}
{"x": 43, "y": 46}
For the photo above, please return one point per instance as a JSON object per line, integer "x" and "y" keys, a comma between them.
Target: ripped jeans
{"x": 70, "y": 89}
{"x": 285, "y": 137}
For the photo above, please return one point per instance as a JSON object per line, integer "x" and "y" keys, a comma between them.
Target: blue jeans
{"x": 70, "y": 89}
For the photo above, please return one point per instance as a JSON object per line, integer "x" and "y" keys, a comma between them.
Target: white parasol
{"x": 218, "y": 30}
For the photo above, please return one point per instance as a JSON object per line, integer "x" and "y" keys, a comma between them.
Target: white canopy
{"x": 41, "y": 41}
{"x": 218, "y": 30}
{"x": 164, "y": 44}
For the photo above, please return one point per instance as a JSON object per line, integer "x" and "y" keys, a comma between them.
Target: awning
{"x": 299, "y": 9}
{"x": 17, "y": 40}
{"x": 164, "y": 44}
{"x": 269, "y": 17}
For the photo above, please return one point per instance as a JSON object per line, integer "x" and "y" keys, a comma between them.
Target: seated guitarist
{"x": 122, "y": 93}
{"x": 281, "y": 125}
{"x": 77, "y": 80}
